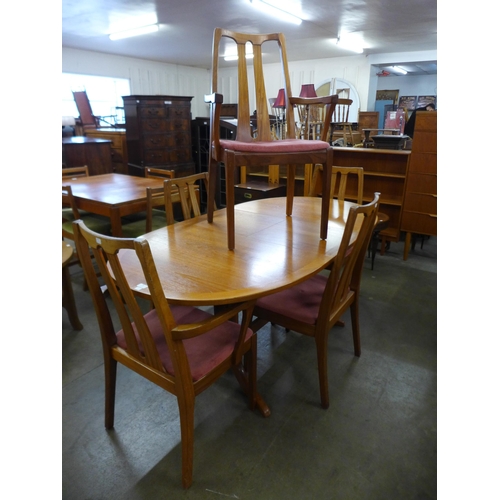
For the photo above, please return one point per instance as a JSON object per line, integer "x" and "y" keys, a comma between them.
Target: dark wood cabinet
{"x": 118, "y": 146}
{"x": 158, "y": 131}
{"x": 90, "y": 151}
{"x": 200, "y": 130}
{"x": 420, "y": 207}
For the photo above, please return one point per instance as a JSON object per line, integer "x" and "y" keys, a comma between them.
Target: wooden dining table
{"x": 112, "y": 195}
{"x": 274, "y": 252}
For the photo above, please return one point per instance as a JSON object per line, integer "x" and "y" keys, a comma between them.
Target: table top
{"x": 272, "y": 252}
{"x": 111, "y": 189}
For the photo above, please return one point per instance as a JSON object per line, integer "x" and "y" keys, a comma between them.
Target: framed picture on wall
{"x": 424, "y": 100}
{"x": 408, "y": 102}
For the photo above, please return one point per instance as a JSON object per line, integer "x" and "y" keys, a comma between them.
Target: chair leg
{"x": 325, "y": 195}
{"x": 110, "y": 365}
{"x": 355, "y": 328}
{"x": 322, "y": 355}
{"x": 230, "y": 203}
{"x": 68, "y": 300}
{"x": 186, "y": 414}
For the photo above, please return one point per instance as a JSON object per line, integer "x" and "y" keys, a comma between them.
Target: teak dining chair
{"x": 74, "y": 172}
{"x": 351, "y": 177}
{"x": 351, "y": 181}
{"x": 183, "y": 350}
{"x": 254, "y": 145}
{"x": 153, "y": 218}
{"x": 187, "y": 191}
{"x": 94, "y": 221}
{"x": 314, "y": 306}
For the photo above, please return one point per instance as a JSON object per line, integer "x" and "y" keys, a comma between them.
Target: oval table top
{"x": 273, "y": 252}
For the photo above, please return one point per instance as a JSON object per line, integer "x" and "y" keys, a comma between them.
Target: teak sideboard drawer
{"x": 421, "y": 183}
{"x": 256, "y": 191}
{"x": 419, "y": 223}
{"x": 421, "y": 202}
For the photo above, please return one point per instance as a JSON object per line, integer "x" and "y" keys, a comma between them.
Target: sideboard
{"x": 90, "y": 151}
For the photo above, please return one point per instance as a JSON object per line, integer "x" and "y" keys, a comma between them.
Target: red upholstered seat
{"x": 204, "y": 353}
{"x": 314, "y": 306}
{"x": 289, "y": 145}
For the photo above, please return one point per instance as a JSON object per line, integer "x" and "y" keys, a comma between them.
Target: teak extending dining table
{"x": 274, "y": 252}
{"x": 112, "y": 195}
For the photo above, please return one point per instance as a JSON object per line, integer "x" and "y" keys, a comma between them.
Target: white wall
{"x": 409, "y": 85}
{"x": 152, "y": 77}
{"x": 146, "y": 77}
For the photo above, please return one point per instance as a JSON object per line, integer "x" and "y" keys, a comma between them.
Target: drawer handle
{"x": 247, "y": 195}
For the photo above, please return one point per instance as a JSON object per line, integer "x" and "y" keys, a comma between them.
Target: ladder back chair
{"x": 183, "y": 350}
{"x": 254, "y": 146}
{"x": 314, "y": 306}
{"x": 341, "y": 121}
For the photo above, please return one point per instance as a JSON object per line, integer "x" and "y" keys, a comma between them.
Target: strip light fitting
{"x": 143, "y": 30}
{"x": 399, "y": 70}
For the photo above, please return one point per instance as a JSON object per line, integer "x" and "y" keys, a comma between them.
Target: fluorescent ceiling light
{"x": 399, "y": 70}
{"x": 143, "y": 30}
{"x": 354, "y": 45}
{"x": 276, "y": 12}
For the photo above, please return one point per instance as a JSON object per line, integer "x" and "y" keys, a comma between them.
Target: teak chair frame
{"x": 255, "y": 146}
{"x": 144, "y": 335}
{"x": 327, "y": 298}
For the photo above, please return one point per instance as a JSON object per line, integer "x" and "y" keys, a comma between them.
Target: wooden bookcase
{"x": 420, "y": 207}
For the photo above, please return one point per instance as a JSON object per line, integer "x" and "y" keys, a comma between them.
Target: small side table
{"x": 68, "y": 297}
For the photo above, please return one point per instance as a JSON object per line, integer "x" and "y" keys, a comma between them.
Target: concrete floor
{"x": 376, "y": 441}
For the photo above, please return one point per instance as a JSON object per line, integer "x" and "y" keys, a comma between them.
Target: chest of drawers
{"x": 420, "y": 206}
{"x": 158, "y": 131}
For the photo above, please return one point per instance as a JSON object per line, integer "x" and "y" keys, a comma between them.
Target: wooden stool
{"x": 382, "y": 223}
{"x": 68, "y": 298}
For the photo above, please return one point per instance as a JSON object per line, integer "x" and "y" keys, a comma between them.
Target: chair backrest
{"x": 348, "y": 180}
{"x": 74, "y": 172}
{"x": 159, "y": 173}
{"x": 69, "y": 201}
{"x": 87, "y": 118}
{"x": 105, "y": 251}
{"x": 155, "y": 197}
{"x": 188, "y": 191}
{"x": 273, "y": 42}
{"x": 341, "y": 113}
{"x": 345, "y": 275}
